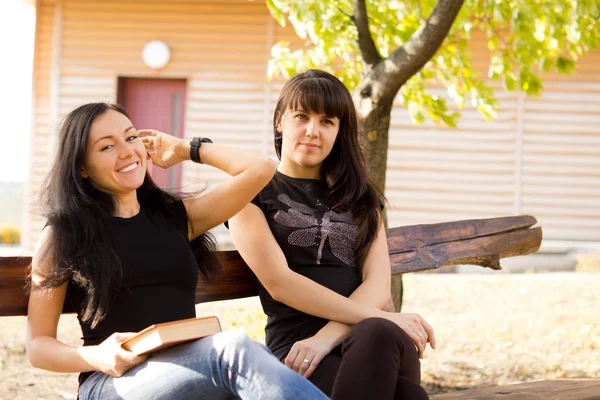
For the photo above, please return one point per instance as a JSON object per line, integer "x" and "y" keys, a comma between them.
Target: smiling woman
{"x": 115, "y": 157}
{"x": 127, "y": 255}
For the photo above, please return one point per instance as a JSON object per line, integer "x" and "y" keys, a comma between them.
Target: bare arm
{"x": 44, "y": 350}
{"x": 250, "y": 171}
{"x": 45, "y": 306}
{"x": 373, "y": 291}
{"x": 264, "y": 256}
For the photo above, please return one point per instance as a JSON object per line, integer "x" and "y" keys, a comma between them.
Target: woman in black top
{"x": 118, "y": 248}
{"x": 315, "y": 239}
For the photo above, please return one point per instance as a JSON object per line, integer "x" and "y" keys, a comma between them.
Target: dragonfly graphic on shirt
{"x": 337, "y": 227}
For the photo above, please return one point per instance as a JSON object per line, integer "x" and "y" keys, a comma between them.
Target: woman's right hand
{"x": 416, "y": 327}
{"x": 165, "y": 150}
{"x": 109, "y": 357}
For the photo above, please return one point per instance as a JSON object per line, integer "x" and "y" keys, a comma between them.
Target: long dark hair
{"x": 344, "y": 169}
{"x": 81, "y": 243}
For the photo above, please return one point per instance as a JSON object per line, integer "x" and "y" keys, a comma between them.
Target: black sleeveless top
{"x": 160, "y": 274}
{"x": 317, "y": 242}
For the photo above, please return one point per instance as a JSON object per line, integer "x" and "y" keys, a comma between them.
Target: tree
{"x": 388, "y": 49}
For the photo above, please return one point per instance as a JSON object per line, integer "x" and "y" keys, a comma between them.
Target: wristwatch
{"x": 195, "y": 145}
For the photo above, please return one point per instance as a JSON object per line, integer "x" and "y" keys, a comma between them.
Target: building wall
{"x": 221, "y": 48}
{"x": 541, "y": 156}
{"x": 41, "y": 128}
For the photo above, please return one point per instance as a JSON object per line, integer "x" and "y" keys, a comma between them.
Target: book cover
{"x": 161, "y": 336}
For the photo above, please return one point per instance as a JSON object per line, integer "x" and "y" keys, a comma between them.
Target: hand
{"x": 313, "y": 350}
{"x": 166, "y": 149}
{"x": 110, "y": 358}
{"x": 416, "y": 327}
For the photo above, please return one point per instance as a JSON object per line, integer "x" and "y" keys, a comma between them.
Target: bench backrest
{"x": 412, "y": 248}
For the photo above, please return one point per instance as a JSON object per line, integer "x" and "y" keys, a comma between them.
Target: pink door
{"x": 157, "y": 104}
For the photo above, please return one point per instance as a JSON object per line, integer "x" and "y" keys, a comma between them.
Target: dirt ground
{"x": 491, "y": 329}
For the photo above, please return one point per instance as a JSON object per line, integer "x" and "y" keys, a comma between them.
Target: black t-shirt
{"x": 160, "y": 275}
{"x": 317, "y": 242}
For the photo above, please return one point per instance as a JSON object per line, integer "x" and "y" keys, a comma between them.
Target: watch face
{"x": 205, "y": 140}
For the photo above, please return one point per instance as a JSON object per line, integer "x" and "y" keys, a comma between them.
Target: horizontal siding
{"x": 42, "y": 129}
{"x": 221, "y": 48}
{"x": 209, "y": 43}
{"x": 438, "y": 174}
{"x": 540, "y": 156}
{"x": 561, "y": 161}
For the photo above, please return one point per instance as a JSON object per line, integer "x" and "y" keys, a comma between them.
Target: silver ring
{"x": 306, "y": 360}
{"x": 420, "y": 334}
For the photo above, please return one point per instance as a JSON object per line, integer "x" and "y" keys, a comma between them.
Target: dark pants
{"x": 377, "y": 361}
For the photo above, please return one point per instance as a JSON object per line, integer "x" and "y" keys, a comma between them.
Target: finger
{"x": 122, "y": 336}
{"x": 156, "y": 160}
{"x": 148, "y": 141}
{"x": 305, "y": 365}
{"x": 414, "y": 335}
{"x": 299, "y": 361}
{"x": 420, "y": 349}
{"x": 430, "y": 333}
{"x": 291, "y": 357}
{"x": 129, "y": 357}
{"x": 149, "y": 132}
{"x": 423, "y": 345}
{"x": 423, "y": 336}
{"x": 140, "y": 359}
{"x": 149, "y": 146}
{"x": 313, "y": 366}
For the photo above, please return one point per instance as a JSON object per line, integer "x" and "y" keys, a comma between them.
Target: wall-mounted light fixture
{"x": 156, "y": 54}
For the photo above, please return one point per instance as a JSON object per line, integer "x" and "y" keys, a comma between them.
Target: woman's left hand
{"x": 165, "y": 150}
{"x": 305, "y": 355}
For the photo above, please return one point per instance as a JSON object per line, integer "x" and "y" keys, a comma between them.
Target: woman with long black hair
{"x": 118, "y": 249}
{"x": 320, "y": 253}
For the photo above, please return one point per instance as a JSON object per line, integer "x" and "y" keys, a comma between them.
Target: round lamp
{"x": 156, "y": 54}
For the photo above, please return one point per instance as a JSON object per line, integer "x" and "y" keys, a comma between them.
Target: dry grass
{"x": 491, "y": 329}
{"x": 589, "y": 262}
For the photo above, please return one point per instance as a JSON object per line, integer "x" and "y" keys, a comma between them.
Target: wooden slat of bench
{"x": 561, "y": 389}
{"x": 480, "y": 242}
{"x": 13, "y": 296}
{"x": 485, "y": 251}
{"x": 415, "y": 236}
{"x": 236, "y": 281}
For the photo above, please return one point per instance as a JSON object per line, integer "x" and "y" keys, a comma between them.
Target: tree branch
{"x": 350, "y": 17}
{"x": 368, "y": 50}
{"x": 408, "y": 59}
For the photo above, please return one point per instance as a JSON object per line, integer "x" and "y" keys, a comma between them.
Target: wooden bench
{"x": 560, "y": 389}
{"x": 412, "y": 248}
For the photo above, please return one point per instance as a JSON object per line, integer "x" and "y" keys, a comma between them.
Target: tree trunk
{"x": 374, "y": 127}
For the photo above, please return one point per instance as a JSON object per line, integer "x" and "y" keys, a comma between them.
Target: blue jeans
{"x": 222, "y": 366}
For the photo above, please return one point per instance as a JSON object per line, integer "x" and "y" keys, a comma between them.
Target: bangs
{"x": 320, "y": 96}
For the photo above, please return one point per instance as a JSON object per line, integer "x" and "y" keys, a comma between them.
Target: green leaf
{"x": 525, "y": 38}
{"x": 565, "y": 65}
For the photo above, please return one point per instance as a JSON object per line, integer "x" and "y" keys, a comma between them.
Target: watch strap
{"x": 195, "y": 145}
